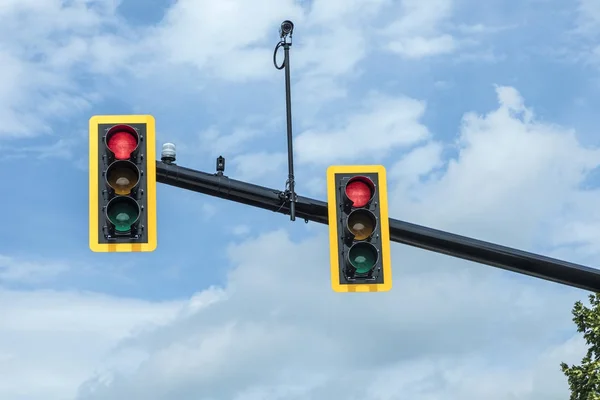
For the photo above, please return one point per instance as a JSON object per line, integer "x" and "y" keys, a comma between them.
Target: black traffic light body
{"x": 359, "y": 231}
{"x": 122, "y": 192}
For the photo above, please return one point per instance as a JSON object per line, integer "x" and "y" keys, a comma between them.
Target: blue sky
{"x": 484, "y": 114}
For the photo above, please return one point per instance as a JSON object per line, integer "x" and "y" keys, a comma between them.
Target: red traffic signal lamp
{"x": 359, "y": 234}
{"x": 122, "y": 183}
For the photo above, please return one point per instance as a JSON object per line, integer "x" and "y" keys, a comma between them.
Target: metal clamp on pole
{"x": 285, "y": 34}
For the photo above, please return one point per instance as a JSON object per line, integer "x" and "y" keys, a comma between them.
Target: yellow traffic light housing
{"x": 359, "y": 233}
{"x": 122, "y": 183}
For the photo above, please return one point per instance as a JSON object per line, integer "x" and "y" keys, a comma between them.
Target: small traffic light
{"x": 359, "y": 232}
{"x": 122, "y": 192}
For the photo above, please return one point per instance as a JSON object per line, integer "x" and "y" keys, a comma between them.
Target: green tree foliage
{"x": 584, "y": 379}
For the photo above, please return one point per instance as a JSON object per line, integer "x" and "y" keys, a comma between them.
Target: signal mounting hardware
{"x": 359, "y": 232}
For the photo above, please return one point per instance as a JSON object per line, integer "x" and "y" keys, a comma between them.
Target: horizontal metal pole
{"x": 447, "y": 243}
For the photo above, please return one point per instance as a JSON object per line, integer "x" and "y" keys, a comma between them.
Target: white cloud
{"x": 278, "y": 330}
{"x": 230, "y": 34}
{"x": 232, "y": 41}
{"x": 418, "y": 47}
{"x": 581, "y": 42}
{"x": 36, "y": 62}
{"x": 316, "y": 186}
{"x": 19, "y": 271}
{"x": 213, "y": 142}
{"x": 241, "y": 230}
{"x": 448, "y": 328}
{"x": 421, "y": 17}
{"x": 589, "y": 16}
{"x": 352, "y": 11}
{"x": 333, "y": 40}
{"x": 52, "y": 341}
{"x": 508, "y": 165}
{"x": 417, "y": 163}
{"x": 418, "y": 32}
{"x": 483, "y": 29}
{"x": 331, "y": 54}
{"x": 61, "y": 148}
{"x": 297, "y": 339}
{"x": 209, "y": 210}
{"x": 253, "y": 166}
{"x": 383, "y": 125}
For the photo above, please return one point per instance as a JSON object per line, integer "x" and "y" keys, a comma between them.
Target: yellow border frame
{"x": 150, "y": 170}
{"x": 386, "y": 260}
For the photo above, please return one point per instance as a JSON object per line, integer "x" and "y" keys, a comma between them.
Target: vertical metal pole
{"x": 288, "y": 105}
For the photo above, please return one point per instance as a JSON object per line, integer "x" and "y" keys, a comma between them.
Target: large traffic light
{"x": 122, "y": 183}
{"x": 359, "y": 232}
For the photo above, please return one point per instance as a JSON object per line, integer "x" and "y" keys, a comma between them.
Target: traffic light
{"x": 122, "y": 192}
{"x": 359, "y": 232}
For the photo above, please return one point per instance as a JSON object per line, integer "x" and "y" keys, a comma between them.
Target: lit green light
{"x": 363, "y": 257}
{"x": 123, "y": 212}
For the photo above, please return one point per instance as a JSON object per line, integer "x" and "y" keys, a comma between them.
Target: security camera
{"x": 287, "y": 27}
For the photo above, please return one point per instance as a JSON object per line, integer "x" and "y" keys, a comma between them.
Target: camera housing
{"x": 287, "y": 28}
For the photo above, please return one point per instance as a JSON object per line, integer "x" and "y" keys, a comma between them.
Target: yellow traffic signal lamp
{"x": 122, "y": 183}
{"x": 359, "y": 234}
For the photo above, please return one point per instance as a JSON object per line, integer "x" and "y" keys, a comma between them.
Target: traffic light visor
{"x": 360, "y": 191}
{"x": 122, "y": 140}
{"x": 361, "y": 223}
{"x": 363, "y": 257}
{"x": 122, "y": 176}
{"x": 123, "y": 212}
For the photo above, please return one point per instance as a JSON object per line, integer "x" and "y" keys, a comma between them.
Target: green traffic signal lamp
{"x": 362, "y": 257}
{"x": 122, "y": 212}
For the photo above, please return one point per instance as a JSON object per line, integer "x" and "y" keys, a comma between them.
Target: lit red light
{"x": 122, "y": 143}
{"x": 359, "y": 190}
